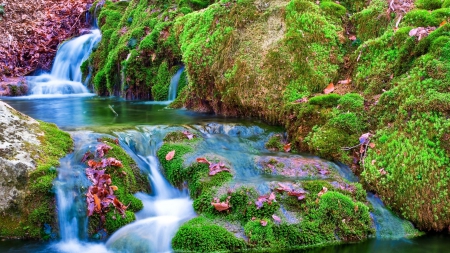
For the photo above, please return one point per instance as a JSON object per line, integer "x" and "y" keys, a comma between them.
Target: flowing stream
{"x": 65, "y": 76}
{"x": 140, "y": 127}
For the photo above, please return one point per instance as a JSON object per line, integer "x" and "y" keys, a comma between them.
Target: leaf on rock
{"x": 329, "y": 88}
{"x": 170, "y": 155}
{"x": 86, "y": 156}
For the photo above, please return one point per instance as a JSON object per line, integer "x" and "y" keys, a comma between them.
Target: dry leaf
{"x": 372, "y": 145}
{"x": 287, "y": 147}
{"x": 323, "y": 191}
{"x": 170, "y": 155}
{"x": 329, "y": 88}
{"x": 276, "y": 218}
{"x": 263, "y": 223}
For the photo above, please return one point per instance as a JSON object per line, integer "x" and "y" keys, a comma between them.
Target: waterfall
{"x": 163, "y": 212}
{"x": 174, "y": 85}
{"x": 65, "y": 76}
{"x": 387, "y": 225}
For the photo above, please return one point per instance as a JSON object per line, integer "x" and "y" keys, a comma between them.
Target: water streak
{"x": 173, "y": 88}
{"x": 65, "y": 76}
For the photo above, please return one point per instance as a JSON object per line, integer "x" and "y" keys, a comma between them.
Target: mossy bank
{"x": 274, "y": 59}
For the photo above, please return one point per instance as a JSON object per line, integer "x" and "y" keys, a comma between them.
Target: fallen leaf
{"x": 382, "y": 171}
{"x": 188, "y": 135}
{"x": 203, "y": 160}
{"x": 221, "y": 206}
{"x": 323, "y": 191}
{"x": 263, "y": 223}
{"x": 287, "y": 147}
{"x": 329, "y": 88}
{"x": 372, "y": 145}
{"x": 443, "y": 23}
{"x": 170, "y": 155}
{"x": 276, "y": 218}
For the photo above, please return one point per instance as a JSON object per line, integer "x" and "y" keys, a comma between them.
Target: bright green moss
{"x": 332, "y": 8}
{"x": 114, "y": 221}
{"x": 260, "y": 236}
{"x": 329, "y": 100}
{"x": 174, "y": 169}
{"x": 428, "y": 4}
{"x": 351, "y": 102}
{"x": 372, "y": 21}
{"x": 160, "y": 89}
{"x": 416, "y": 164}
{"x": 418, "y": 18}
{"x": 201, "y": 235}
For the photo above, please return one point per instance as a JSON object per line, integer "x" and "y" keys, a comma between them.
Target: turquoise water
{"x": 90, "y": 112}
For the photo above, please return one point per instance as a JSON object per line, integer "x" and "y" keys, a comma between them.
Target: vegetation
{"x": 38, "y": 210}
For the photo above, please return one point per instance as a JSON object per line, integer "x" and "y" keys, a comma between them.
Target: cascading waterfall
{"x": 388, "y": 225}
{"x": 163, "y": 212}
{"x": 65, "y": 76}
{"x": 174, "y": 85}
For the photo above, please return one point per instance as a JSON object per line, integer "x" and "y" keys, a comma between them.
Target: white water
{"x": 65, "y": 76}
{"x": 163, "y": 212}
{"x": 174, "y": 85}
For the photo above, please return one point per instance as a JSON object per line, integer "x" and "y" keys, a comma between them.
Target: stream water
{"x": 61, "y": 98}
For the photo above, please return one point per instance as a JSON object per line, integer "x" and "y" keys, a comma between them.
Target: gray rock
{"x": 18, "y": 134}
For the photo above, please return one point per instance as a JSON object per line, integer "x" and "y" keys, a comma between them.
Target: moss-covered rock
{"x": 31, "y": 179}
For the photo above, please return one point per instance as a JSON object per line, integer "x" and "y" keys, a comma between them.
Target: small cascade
{"x": 65, "y": 76}
{"x": 387, "y": 225}
{"x": 174, "y": 84}
{"x": 70, "y": 186}
{"x": 163, "y": 212}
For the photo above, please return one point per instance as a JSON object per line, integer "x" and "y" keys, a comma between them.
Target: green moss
{"x": 38, "y": 208}
{"x": 332, "y": 8}
{"x": 418, "y": 18}
{"x": 275, "y": 143}
{"x": 416, "y": 164}
{"x": 329, "y": 100}
{"x": 201, "y": 235}
{"x": 258, "y": 235}
{"x": 160, "y": 90}
{"x": 129, "y": 180}
{"x": 428, "y": 4}
{"x": 372, "y": 21}
{"x": 174, "y": 169}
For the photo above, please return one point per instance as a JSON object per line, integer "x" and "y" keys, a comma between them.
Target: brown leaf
{"x": 382, "y": 171}
{"x": 170, "y": 155}
{"x": 372, "y": 145}
{"x": 329, "y": 88}
{"x": 287, "y": 147}
{"x": 323, "y": 191}
{"x": 221, "y": 206}
{"x": 263, "y": 223}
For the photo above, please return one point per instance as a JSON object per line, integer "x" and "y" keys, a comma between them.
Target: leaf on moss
{"x": 287, "y": 147}
{"x": 86, "y": 156}
{"x": 188, "y": 135}
{"x": 170, "y": 155}
{"x": 102, "y": 149}
{"x": 372, "y": 145}
{"x": 329, "y": 88}
{"x": 276, "y": 218}
{"x": 221, "y": 206}
{"x": 263, "y": 223}
{"x": 323, "y": 191}
{"x": 265, "y": 198}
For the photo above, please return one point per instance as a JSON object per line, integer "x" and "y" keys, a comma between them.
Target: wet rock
{"x": 13, "y": 87}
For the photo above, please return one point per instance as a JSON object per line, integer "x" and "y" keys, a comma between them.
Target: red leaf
{"x": 329, "y": 88}
{"x": 221, "y": 206}
{"x": 170, "y": 155}
{"x": 203, "y": 160}
{"x": 102, "y": 149}
{"x": 86, "y": 156}
{"x": 287, "y": 147}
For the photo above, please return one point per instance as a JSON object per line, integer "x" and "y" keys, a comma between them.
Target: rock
{"x": 17, "y": 132}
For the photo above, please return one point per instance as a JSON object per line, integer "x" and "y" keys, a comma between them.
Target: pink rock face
{"x": 13, "y": 87}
